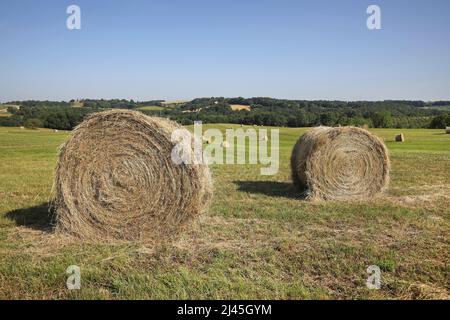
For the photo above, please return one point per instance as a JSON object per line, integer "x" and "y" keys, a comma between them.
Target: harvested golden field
{"x": 238, "y": 107}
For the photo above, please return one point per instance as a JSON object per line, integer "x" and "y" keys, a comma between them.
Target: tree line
{"x": 263, "y": 111}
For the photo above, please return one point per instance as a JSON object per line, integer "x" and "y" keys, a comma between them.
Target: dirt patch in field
{"x": 424, "y": 195}
{"x": 427, "y": 291}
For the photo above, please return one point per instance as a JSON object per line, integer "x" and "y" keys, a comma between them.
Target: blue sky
{"x": 182, "y": 49}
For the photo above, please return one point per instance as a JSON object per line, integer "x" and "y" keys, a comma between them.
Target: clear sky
{"x": 166, "y": 49}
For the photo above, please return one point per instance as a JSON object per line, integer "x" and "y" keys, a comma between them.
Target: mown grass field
{"x": 3, "y": 111}
{"x": 442, "y": 108}
{"x": 259, "y": 240}
{"x": 152, "y": 108}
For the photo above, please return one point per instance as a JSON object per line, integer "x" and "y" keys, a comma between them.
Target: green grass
{"x": 152, "y": 108}
{"x": 259, "y": 240}
{"x": 441, "y": 108}
{"x": 6, "y": 106}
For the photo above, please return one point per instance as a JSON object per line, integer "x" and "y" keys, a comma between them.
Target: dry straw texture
{"x": 340, "y": 164}
{"x": 115, "y": 179}
{"x": 447, "y": 130}
{"x": 400, "y": 138}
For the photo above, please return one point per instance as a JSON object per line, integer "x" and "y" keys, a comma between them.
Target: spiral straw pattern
{"x": 115, "y": 179}
{"x": 340, "y": 163}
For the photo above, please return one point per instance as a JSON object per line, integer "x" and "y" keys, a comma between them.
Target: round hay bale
{"x": 447, "y": 130}
{"x": 207, "y": 140}
{"x": 340, "y": 164}
{"x": 115, "y": 179}
{"x": 225, "y": 144}
{"x": 400, "y": 137}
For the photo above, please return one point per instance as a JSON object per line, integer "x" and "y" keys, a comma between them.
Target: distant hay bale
{"x": 447, "y": 130}
{"x": 207, "y": 140}
{"x": 55, "y": 130}
{"x": 115, "y": 179}
{"x": 264, "y": 138}
{"x": 400, "y": 137}
{"x": 225, "y": 144}
{"x": 340, "y": 164}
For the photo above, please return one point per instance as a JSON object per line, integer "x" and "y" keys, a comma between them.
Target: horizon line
{"x": 232, "y": 97}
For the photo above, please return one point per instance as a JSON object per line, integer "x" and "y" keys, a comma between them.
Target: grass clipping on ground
{"x": 115, "y": 179}
{"x": 340, "y": 163}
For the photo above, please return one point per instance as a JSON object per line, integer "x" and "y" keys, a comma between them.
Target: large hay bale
{"x": 115, "y": 179}
{"x": 400, "y": 138}
{"x": 340, "y": 164}
{"x": 447, "y": 130}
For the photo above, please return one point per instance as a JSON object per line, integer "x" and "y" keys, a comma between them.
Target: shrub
{"x": 33, "y": 123}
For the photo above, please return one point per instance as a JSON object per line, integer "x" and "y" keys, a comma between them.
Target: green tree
{"x": 381, "y": 119}
{"x": 440, "y": 121}
{"x": 33, "y": 123}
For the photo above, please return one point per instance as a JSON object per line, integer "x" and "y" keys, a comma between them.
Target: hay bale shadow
{"x": 271, "y": 189}
{"x": 38, "y": 217}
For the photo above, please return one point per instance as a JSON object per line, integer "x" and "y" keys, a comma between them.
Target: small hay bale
{"x": 207, "y": 140}
{"x": 447, "y": 130}
{"x": 400, "y": 137}
{"x": 340, "y": 164}
{"x": 115, "y": 179}
{"x": 225, "y": 144}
